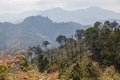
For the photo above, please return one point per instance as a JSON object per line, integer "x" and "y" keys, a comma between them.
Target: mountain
{"x": 82, "y": 16}
{"x": 33, "y": 30}
{"x": 118, "y": 20}
{"x": 17, "y": 17}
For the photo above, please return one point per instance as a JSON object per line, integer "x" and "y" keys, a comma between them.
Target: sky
{"x": 19, "y": 6}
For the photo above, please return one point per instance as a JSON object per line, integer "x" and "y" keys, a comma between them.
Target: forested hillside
{"x": 91, "y": 54}
{"x": 33, "y": 30}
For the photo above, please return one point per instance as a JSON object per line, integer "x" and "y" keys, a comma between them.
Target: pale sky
{"x": 18, "y": 6}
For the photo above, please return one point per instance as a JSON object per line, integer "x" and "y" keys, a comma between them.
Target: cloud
{"x": 9, "y": 6}
{"x": 14, "y": 6}
{"x": 88, "y": 3}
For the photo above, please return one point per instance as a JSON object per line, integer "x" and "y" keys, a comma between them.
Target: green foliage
{"x": 61, "y": 39}
{"x": 91, "y": 35}
{"x": 90, "y": 71}
{"x": 76, "y": 73}
{"x": 79, "y": 34}
{"x": 94, "y": 55}
{"x": 102, "y": 41}
{"x": 42, "y": 63}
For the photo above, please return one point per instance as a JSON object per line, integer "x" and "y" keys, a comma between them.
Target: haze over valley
{"x": 85, "y": 16}
{"x": 59, "y": 39}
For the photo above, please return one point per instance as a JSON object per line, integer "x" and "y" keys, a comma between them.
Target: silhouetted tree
{"x": 61, "y": 39}
{"x": 45, "y": 44}
{"x": 98, "y": 25}
{"x": 43, "y": 63}
{"x": 79, "y": 34}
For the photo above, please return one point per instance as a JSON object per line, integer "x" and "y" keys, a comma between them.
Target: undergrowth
{"x": 14, "y": 66}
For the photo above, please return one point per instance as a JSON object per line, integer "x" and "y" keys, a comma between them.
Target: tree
{"x": 30, "y": 54}
{"x": 43, "y": 63}
{"x": 45, "y": 44}
{"x": 113, "y": 25}
{"x": 90, "y": 71}
{"x": 76, "y": 73}
{"x": 70, "y": 40}
{"x": 37, "y": 50}
{"x": 91, "y": 35}
{"x": 107, "y": 23}
{"x": 79, "y": 34}
{"x": 110, "y": 47}
{"x": 98, "y": 25}
{"x": 61, "y": 39}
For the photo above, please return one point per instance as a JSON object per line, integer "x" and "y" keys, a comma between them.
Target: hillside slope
{"x": 33, "y": 30}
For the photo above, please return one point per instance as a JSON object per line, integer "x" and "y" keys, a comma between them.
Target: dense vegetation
{"x": 84, "y": 56}
{"x": 14, "y": 66}
{"x": 91, "y": 54}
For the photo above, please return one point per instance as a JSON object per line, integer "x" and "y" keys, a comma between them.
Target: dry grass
{"x": 12, "y": 67}
{"x": 53, "y": 76}
{"x": 11, "y": 63}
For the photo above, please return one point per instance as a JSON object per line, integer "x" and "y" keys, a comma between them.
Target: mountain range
{"x": 82, "y": 16}
{"x": 33, "y": 30}
{"x": 29, "y": 28}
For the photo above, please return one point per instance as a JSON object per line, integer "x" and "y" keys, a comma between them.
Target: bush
{"x": 13, "y": 66}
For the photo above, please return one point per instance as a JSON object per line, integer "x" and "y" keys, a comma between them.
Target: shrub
{"x": 13, "y": 66}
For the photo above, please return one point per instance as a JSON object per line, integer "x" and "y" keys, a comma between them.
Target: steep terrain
{"x": 83, "y": 16}
{"x": 33, "y": 30}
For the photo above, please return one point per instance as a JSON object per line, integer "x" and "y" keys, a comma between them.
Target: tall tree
{"x": 98, "y": 25}
{"x": 45, "y": 44}
{"x": 79, "y": 34}
{"x": 43, "y": 63}
{"x": 107, "y": 23}
{"x": 91, "y": 35}
{"x": 61, "y": 39}
{"x": 113, "y": 25}
{"x": 37, "y": 50}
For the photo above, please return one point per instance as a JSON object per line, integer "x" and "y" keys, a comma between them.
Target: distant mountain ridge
{"x": 82, "y": 16}
{"x": 33, "y": 30}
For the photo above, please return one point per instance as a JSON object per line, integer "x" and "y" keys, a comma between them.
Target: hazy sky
{"x": 16, "y": 6}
